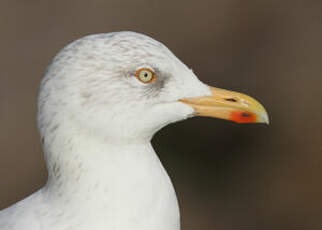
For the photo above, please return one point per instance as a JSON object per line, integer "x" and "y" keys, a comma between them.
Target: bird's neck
{"x": 125, "y": 178}
{"x": 83, "y": 162}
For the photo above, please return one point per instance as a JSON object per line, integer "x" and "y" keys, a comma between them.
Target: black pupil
{"x": 146, "y": 75}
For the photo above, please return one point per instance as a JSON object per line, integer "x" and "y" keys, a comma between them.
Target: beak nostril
{"x": 231, "y": 99}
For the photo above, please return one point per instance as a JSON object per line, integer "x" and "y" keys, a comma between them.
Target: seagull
{"x": 101, "y": 100}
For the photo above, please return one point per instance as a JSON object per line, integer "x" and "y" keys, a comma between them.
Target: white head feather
{"x": 90, "y": 86}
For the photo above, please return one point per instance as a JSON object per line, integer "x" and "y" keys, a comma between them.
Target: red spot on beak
{"x": 243, "y": 117}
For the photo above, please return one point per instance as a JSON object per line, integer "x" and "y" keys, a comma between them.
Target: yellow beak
{"x": 228, "y": 105}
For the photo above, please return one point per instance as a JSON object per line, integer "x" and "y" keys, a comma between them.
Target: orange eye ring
{"x": 145, "y": 75}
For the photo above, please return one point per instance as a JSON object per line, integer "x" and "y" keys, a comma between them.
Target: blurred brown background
{"x": 227, "y": 176}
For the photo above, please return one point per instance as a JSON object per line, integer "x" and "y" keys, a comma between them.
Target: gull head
{"x": 127, "y": 86}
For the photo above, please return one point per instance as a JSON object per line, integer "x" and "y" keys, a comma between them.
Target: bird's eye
{"x": 145, "y": 75}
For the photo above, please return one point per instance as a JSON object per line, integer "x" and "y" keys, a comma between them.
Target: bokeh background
{"x": 227, "y": 176}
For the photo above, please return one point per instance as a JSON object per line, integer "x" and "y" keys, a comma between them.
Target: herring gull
{"x": 102, "y": 99}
